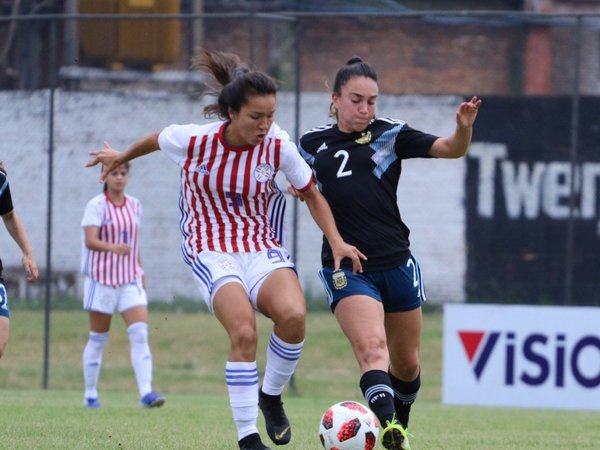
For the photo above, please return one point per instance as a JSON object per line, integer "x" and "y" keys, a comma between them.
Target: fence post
{"x": 297, "y": 99}
{"x": 47, "y": 293}
{"x": 574, "y": 157}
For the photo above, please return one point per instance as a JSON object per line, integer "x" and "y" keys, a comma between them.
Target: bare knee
{"x": 4, "y": 331}
{"x": 290, "y": 325}
{"x": 243, "y": 343}
{"x": 372, "y": 354}
{"x": 406, "y": 366}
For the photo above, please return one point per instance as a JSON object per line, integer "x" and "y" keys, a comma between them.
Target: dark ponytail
{"x": 232, "y": 82}
{"x": 354, "y": 67}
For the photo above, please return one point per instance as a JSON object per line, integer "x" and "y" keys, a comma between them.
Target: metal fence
{"x": 436, "y": 53}
{"x": 491, "y": 54}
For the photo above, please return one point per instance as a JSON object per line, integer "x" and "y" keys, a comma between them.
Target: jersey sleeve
{"x": 295, "y": 169}
{"x": 411, "y": 143}
{"x": 92, "y": 215}
{"x": 6, "y": 204}
{"x": 174, "y": 140}
{"x": 305, "y": 153}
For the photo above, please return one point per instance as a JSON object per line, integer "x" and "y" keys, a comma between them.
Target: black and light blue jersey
{"x": 6, "y": 205}
{"x": 358, "y": 173}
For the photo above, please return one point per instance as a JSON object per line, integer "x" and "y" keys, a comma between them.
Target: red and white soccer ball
{"x": 348, "y": 425}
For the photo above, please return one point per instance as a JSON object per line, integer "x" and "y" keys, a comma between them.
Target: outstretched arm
{"x": 457, "y": 144}
{"x": 111, "y": 158}
{"x": 17, "y": 231}
{"x": 321, "y": 213}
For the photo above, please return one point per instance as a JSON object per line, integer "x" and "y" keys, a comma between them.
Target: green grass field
{"x": 189, "y": 351}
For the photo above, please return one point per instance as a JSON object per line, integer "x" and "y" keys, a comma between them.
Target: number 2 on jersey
{"x": 344, "y": 155}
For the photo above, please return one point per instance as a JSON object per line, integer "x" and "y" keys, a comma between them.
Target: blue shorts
{"x": 399, "y": 289}
{"x": 4, "y": 311}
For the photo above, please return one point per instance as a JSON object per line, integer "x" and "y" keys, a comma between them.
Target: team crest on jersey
{"x": 225, "y": 264}
{"x": 263, "y": 173}
{"x": 364, "y": 138}
{"x": 202, "y": 169}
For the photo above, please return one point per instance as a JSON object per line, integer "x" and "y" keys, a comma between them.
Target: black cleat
{"x": 277, "y": 423}
{"x": 252, "y": 442}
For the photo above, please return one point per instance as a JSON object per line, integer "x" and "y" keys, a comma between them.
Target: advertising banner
{"x": 528, "y": 239}
{"x": 523, "y": 356}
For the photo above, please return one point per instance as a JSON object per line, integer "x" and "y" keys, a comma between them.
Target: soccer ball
{"x": 348, "y": 426}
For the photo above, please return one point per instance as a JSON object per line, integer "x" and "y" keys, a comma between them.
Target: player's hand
{"x": 295, "y": 192}
{"x": 467, "y": 112}
{"x": 122, "y": 249}
{"x": 344, "y": 250}
{"x": 108, "y": 157}
{"x": 30, "y": 268}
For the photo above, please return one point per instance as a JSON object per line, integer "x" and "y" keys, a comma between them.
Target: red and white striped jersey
{"x": 227, "y": 192}
{"x": 117, "y": 224}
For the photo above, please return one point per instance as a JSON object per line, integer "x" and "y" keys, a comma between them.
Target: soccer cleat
{"x": 152, "y": 400}
{"x": 394, "y": 436}
{"x": 91, "y": 403}
{"x": 252, "y": 442}
{"x": 277, "y": 423}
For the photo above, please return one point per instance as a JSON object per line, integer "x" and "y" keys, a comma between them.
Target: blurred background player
{"x": 357, "y": 164}
{"x": 15, "y": 228}
{"x": 228, "y": 170}
{"x": 114, "y": 281}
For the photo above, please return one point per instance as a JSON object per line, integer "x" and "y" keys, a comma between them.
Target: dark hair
{"x": 354, "y": 67}
{"x": 233, "y": 82}
{"x": 126, "y": 164}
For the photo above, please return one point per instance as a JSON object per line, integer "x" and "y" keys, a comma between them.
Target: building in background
{"x": 492, "y": 52}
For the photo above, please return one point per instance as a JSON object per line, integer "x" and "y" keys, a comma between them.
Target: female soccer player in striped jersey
{"x": 357, "y": 163}
{"x": 15, "y": 228}
{"x": 228, "y": 190}
{"x": 114, "y": 281}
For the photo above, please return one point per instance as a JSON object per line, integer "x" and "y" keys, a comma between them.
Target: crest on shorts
{"x": 225, "y": 264}
{"x": 263, "y": 172}
{"x": 339, "y": 279}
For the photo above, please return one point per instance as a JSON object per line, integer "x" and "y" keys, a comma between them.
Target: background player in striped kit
{"x": 357, "y": 163}
{"x": 228, "y": 170}
{"x": 114, "y": 281}
{"x": 15, "y": 228}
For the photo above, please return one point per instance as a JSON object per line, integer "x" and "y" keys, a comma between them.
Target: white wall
{"x": 431, "y": 192}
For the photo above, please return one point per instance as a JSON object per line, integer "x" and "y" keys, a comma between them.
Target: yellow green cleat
{"x": 394, "y": 436}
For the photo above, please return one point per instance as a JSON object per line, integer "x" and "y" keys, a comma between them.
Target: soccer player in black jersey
{"x": 15, "y": 228}
{"x": 357, "y": 164}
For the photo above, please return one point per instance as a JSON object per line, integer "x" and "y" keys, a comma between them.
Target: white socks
{"x": 92, "y": 361}
{"x": 141, "y": 358}
{"x": 242, "y": 385}
{"x": 282, "y": 359}
{"x": 242, "y": 382}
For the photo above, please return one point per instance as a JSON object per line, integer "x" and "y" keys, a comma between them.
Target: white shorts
{"x": 106, "y": 299}
{"x": 214, "y": 269}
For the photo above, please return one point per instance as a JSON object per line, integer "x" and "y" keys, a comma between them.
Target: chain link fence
{"x": 515, "y": 221}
